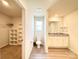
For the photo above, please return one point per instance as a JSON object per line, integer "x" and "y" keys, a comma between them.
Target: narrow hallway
{"x": 52, "y": 54}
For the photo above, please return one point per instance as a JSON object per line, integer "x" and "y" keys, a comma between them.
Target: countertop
{"x": 58, "y": 34}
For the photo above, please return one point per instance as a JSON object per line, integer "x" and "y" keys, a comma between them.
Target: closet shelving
{"x": 15, "y": 35}
{"x": 20, "y": 34}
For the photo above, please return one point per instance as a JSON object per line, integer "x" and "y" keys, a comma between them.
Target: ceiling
{"x": 63, "y": 7}
{"x": 12, "y": 9}
{"x": 42, "y": 4}
{"x": 59, "y": 7}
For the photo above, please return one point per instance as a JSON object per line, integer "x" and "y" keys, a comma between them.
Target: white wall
{"x": 29, "y": 27}
{"x": 4, "y": 20}
{"x": 71, "y": 21}
{"x": 16, "y": 21}
{"x": 28, "y": 34}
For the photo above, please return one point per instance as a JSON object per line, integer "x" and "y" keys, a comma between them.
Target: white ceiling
{"x": 13, "y": 10}
{"x": 60, "y": 7}
{"x": 43, "y": 4}
{"x": 63, "y": 7}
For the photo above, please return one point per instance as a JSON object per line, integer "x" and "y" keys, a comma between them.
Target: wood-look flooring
{"x": 52, "y": 54}
{"x": 10, "y": 52}
{"x": 14, "y": 52}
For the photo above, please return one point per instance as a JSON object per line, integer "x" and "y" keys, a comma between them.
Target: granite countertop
{"x": 58, "y": 34}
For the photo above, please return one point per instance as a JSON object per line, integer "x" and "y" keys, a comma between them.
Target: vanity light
{"x": 55, "y": 18}
{"x": 5, "y": 3}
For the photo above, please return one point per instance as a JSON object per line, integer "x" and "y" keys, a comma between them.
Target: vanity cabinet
{"x": 58, "y": 41}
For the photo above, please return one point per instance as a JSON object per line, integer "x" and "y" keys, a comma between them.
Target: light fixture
{"x": 5, "y": 3}
{"x": 55, "y": 18}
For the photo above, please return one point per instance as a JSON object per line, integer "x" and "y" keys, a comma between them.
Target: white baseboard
{"x": 29, "y": 50}
{"x": 72, "y": 51}
{"x": 57, "y": 47}
{"x": 4, "y": 44}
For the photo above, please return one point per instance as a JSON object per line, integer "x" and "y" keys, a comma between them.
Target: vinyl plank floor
{"x": 10, "y": 52}
{"x": 52, "y": 54}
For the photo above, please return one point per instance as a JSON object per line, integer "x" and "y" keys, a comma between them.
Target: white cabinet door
{"x": 50, "y": 41}
{"x": 65, "y": 41}
{"x": 58, "y": 42}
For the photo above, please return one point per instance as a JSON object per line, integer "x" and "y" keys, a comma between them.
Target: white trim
{"x": 72, "y": 51}
{"x": 46, "y": 32}
{"x": 23, "y": 43}
{"x": 4, "y": 44}
{"x": 19, "y": 3}
{"x": 23, "y": 20}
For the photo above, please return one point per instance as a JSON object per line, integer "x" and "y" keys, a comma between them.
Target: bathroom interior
{"x": 39, "y": 31}
{"x": 11, "y": 30}
{"x": 62, "y": 17}
{"x": 57, "y": 32}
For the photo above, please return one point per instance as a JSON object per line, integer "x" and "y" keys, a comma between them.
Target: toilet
{"x": 39, "y": 38}
{"x": 38, "y": 42}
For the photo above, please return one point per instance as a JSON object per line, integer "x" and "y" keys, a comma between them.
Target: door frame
{"x": 23, "y": 25}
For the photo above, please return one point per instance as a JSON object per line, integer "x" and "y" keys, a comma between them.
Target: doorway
{"x": 11, "y": 30}
{"x": 39, "y": 31}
